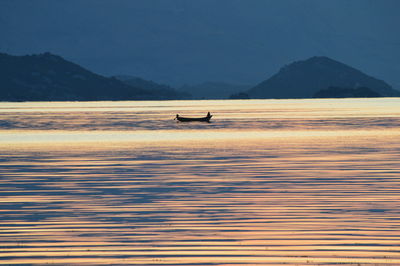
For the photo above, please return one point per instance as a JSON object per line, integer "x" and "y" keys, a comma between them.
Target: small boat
{"x": 194, "y": 119}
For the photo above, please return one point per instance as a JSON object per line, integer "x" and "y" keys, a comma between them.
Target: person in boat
{"x": 177, "y": 116}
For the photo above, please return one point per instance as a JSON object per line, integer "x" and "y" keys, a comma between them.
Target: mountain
{"x": 336, "y": 92}
{"x": 48, "y": 77}
{"x": 213, "y": 90}
{"x": 303, "y": 79}
{"x": 162, "y": 91}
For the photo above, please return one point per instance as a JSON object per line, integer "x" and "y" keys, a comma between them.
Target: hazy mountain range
{"x": 213, "y": 90}
{"x": 162, "y": 91}
{"x": 49, "y": 77}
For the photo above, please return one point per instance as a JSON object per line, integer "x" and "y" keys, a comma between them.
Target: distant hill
{"x": 303, "y": 79}
{"x": 160, "y": 90}
{"x": 336, "y": 92}
{"x": 213, "y": 90}
{"x": 48, "y": 77}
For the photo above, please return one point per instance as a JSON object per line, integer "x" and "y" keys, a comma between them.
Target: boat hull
{"x": 190, "y": 119}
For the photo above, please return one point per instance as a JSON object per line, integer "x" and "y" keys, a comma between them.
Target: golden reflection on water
{"x": 323, "y": 190}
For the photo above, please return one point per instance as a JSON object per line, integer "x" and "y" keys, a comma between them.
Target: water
{"x": 268, "y": 182}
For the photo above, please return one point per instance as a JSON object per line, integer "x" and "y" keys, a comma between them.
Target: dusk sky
{"x": 183, "y": 41}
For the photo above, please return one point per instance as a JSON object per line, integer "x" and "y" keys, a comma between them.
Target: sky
{"x": 192, "y": 41}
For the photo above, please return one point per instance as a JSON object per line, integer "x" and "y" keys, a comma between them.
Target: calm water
{"x": 268, "y": 182}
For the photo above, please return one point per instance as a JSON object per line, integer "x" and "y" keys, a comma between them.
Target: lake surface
{"x": 268, "y": 182}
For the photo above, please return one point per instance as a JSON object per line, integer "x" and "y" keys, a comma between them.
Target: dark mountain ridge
{"x": 49, "y": 77}
{"x": 302, "y": 79}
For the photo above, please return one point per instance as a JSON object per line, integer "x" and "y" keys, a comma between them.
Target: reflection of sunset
{"x": 222, "y": 194}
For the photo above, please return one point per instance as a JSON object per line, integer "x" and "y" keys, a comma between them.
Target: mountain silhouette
{"x": 49, "y": 77}
{"x": 302, "y": 79}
